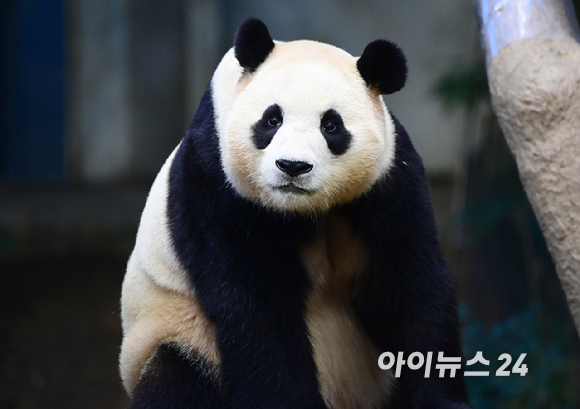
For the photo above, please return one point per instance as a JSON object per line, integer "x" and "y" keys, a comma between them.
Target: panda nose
{"x": 293, "y": 168}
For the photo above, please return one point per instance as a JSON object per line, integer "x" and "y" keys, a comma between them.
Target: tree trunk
{"x": 534, "y": 74}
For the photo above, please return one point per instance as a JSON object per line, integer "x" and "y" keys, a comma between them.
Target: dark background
{"x": 95, "y": 95}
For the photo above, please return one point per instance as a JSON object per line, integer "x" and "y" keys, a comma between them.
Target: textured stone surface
{"x": 535, "y": 86}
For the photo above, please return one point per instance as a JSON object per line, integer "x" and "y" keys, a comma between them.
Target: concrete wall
{"x": 139, "y": 69}
{"x": 127, "y": 87}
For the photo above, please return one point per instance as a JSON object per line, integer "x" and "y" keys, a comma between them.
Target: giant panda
{"x": 287, "y": 242}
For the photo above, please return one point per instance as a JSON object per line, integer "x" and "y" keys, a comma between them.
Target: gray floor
{"x": 63, "y": 251}
{"x": 60, "y": 333}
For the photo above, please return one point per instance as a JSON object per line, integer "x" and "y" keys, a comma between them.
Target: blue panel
{"x": 33, "y": 94}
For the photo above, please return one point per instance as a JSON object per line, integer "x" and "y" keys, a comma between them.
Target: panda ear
{"x": 383, "y": 66}
{"x": 252, "y": 44}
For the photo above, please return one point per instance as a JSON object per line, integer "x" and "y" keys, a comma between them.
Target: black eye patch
{"x": 336, "y": 135}
{"x": 265, "y": 129}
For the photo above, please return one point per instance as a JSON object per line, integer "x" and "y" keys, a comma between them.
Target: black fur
{"x": 407, "y": 301}
{"x": 383, "y": 66}
{"x": 252, "y": 44}
{"x": 264, "y": 130}
{"x": 338, "y": 139}
{"x": 175, "y": 381}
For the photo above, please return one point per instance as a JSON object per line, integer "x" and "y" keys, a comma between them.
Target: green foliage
{"x": 503, "y": 239}
{"x": 552, "y": 379}
{"x": 504, "y": 249}
{"x": 465, "y": 86}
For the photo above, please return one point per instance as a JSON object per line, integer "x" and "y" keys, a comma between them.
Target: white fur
{"x": 346, "y": 358}
{"x": 158, "y": 304}
{"x": 306, "y": 79}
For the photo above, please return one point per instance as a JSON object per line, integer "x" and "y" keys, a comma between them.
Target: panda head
{"x": 301, "y": 125}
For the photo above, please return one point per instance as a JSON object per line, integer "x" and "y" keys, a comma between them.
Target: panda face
{"x": 303, "y": 132}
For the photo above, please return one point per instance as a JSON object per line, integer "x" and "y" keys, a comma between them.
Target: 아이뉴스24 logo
{"x": 416, "y": 360}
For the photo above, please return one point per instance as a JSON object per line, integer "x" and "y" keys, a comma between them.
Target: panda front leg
{"x": 421, "y": 320}
{"x": 266, "y": 357}
{"x": 407, "y": 301}
{"x": 172, "y": 379}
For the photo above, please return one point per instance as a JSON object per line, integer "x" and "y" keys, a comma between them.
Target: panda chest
{"x": 346, "y": 359}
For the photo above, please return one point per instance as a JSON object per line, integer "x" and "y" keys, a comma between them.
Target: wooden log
{"x": 533, "y": 58}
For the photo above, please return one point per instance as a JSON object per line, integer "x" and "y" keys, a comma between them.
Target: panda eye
{"x": 274, "y": 121}
{"x": 329, "y": 126}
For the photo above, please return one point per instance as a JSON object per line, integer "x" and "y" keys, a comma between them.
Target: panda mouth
{"x": 290, "y": 188}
